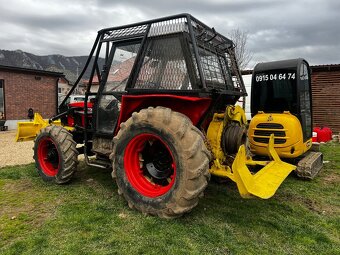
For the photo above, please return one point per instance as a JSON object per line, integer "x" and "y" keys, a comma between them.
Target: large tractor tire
{"x": 55, "y": 154}
{"x": 160, "y": 162}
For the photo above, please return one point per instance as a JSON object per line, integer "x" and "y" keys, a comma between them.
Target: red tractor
{"x": 157, "y": 115}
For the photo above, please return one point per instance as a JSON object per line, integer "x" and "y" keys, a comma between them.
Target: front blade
{"x": 265, "y": 182}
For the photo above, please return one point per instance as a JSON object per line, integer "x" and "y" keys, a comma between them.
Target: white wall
{"x": 247, "y": 84}
{"x": 12, "y": 124}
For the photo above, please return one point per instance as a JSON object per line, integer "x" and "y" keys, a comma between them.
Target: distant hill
{"x": 70, "y": 66}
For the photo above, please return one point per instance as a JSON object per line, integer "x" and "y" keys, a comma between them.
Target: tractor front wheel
{"x": 160, "y": 162}
{"x": 55, "y": 154}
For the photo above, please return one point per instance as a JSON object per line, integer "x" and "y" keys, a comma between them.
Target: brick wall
{"x": 326, "y": 99}
{"x": 25, "y": 90}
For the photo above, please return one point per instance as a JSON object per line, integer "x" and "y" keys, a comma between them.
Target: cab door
{"x": 113, "y": 85}
{"x": 305, "y": 100}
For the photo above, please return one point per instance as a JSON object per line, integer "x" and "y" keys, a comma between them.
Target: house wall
{"x": 25, "y": 90}
{"x": 63, "y": 87}
{"x": 326, "y": 99}
{"x": 247, "y": 83}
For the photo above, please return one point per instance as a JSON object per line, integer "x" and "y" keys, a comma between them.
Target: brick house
{"x": 325, "y": 94}
{"x": 64, "y": 86}
{"x": 22, "y": 88}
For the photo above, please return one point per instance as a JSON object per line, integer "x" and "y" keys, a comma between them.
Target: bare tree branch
{"x": 243, "y": 55}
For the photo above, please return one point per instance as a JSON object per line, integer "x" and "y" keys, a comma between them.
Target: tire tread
{"x": 192, "y": 146}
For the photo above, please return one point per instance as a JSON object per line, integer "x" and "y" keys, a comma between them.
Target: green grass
{"x": 89, "y": 217}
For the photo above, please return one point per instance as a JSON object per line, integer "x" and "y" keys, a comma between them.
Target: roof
{"x": 330, "y": 67}
{"x": 248, "y": 71}
{"x": 117, "y": 73}
{"x": 30, "y": 71}
{"x": 315, "y": 68}
{"x": 275, "y": 65}
{"x": 69, "y": 76}
{"x": 183, "y": 22}
{"x": 121, "y": 71}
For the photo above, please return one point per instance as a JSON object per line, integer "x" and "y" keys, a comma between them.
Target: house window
{"x": 2, "y": 100}
{"x": 59, "y": 90}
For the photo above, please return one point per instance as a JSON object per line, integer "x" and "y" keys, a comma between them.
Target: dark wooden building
{"x": 326, "y": 96}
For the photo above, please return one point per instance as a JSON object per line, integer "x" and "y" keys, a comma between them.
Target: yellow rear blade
{"x": 27, "y": 131}
{"x": 265, "y": 182}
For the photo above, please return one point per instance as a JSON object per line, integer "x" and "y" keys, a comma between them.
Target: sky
{"x": 276, "y": 29}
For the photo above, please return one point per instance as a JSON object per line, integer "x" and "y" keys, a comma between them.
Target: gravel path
{"x": 12, "y": 153}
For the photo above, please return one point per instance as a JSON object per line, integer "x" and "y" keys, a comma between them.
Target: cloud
{"x": 277, "y": 29}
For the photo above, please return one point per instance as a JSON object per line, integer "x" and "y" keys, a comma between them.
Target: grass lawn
{"x": 87, "y": 216}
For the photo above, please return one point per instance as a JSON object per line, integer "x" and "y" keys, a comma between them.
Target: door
{"x": 2, "y": 101}
{"x": 113, "y": 85}
{"x": 305, "y": 101}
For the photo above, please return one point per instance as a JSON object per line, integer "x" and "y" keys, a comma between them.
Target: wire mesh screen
{"x": 211, "y": 66}
{"x": 164, "y": 66}
{"x": 234, "y": 70}
{"x": 168, "y": 27}
{"x": 226, "y": 72}
{"x": 214, "y": 68}
{"x": 125, "y": 32}
{"x": 209, "y": 36}
{"x": 217, "y": 59}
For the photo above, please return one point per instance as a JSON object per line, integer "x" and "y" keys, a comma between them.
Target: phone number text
{"x": 274, "y": 77}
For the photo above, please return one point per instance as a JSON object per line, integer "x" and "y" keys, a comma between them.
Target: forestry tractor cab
{"x": 160, "y": 111}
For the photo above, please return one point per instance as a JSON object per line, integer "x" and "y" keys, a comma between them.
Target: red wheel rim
{"x": 149, "y": 176}
{"x": 48, "y": 156}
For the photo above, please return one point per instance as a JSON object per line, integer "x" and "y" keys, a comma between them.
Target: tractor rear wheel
{"x": 55, "y": 154}
{"x": 160, "y": 162}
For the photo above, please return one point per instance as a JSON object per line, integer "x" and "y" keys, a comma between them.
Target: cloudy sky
{"x": 277, "y": 29}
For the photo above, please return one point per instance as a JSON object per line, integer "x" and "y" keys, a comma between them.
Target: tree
{"x": 243, "y": 55}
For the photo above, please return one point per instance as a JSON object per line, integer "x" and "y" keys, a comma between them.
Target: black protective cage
{"x": 209, "y": 59}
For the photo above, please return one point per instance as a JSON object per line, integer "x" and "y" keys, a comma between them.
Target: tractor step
{"x": 99, "y": 162}
{"x": 310, "y": 165}
{"x": 105, "y": 163}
